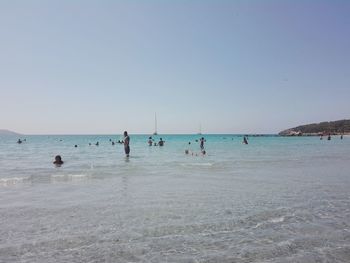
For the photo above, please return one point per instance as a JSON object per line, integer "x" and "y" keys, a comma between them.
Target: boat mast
{"x": 155, "y": 124}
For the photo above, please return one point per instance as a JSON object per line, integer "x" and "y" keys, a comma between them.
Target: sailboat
{"x": 155, "y": 124}
{"x": 200, "y": 129}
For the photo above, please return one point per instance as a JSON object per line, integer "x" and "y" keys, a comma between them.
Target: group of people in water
{"x": 151, "y": 142}
{"x": 126, "y": 141}
{"x": 21, "y": 141}
{"x": 329, "y": 137}
{"x": 201, "y": 145}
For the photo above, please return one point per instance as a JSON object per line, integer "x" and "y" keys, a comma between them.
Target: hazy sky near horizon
{"x": 91, "y": 67}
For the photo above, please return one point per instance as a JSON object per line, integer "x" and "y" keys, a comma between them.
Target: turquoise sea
{"x": 277, "y": 199}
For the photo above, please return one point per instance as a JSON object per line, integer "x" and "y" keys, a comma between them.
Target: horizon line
{"x": 146, "y": 134}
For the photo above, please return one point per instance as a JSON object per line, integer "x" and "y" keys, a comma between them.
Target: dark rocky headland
{"x": 322, "y": 128}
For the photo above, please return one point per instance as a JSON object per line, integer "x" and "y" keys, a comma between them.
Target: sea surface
{"x": 276, "y": 199}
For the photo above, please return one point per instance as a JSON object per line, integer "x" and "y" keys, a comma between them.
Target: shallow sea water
{"x": 274, "y": 200}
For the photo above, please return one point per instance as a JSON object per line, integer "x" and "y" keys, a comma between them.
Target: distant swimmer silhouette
{"x": 329, "y": 137}
{"x": 97, "y": 144}
{"x": 196, "y": 154}
{"x": 161, "y": 142}
{"x": 126, "y": 143}
{"x": 19, "y": 141}
{"x": 150, "y": 141}
{"x": 58, "y": 160}
{"x": 202, "y": 140}
{"x": 245, "y": 141}
{"x": 75, "y": 146}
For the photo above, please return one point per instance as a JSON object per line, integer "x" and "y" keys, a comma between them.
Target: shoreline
{"x": 346, "y": 134}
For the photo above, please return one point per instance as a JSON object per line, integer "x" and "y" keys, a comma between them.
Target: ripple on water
{"x": 5, "y": 182}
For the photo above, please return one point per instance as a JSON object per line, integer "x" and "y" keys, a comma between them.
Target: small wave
{"x": 277, "y": 220}
{"x": 13, "y": 181}
{"x": 273, "y": 220}
{"x": 258, "y": 225}
{"x": 68, "y": 177}
{"x": 58, "y": 175}
{"x": 196, "y": 164}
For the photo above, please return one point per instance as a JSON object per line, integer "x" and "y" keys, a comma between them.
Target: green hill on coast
{"x": 332, "y": 127}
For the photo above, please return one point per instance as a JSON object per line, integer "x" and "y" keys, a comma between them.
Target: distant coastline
{"x": 4, "y": 132}
{"x": 316, "y": 129}
{"x": 7, "y": 132}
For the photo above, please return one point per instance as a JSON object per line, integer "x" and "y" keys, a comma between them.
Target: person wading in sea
{"x": 202, "y": 140}
{"x": 126, "y": 143}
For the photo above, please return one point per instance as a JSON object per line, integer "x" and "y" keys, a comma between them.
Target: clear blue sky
{"x": 90, "y": 67}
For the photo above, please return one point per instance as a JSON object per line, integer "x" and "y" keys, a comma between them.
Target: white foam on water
{"x": 58, "y": 175}
{"x": 196, "y": 164}
{"x": 273, "y": 220}
{"x": 258, "y": 225}
{"x": 69, "y": 177}
{"x": 276, "y": 220}
{"x": 13, "y": 181}
{"x": 78, "y": 175}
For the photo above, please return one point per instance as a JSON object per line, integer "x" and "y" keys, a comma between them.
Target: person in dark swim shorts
{"x": 202, "y": 140}
{"x": 126, "y": 143}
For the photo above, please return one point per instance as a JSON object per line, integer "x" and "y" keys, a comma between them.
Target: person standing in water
{"x": 245, "y": 141}
{"x": 150, "y": 142}
{"x": 202, "y": 143}
{"x": 126, "y": 143}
